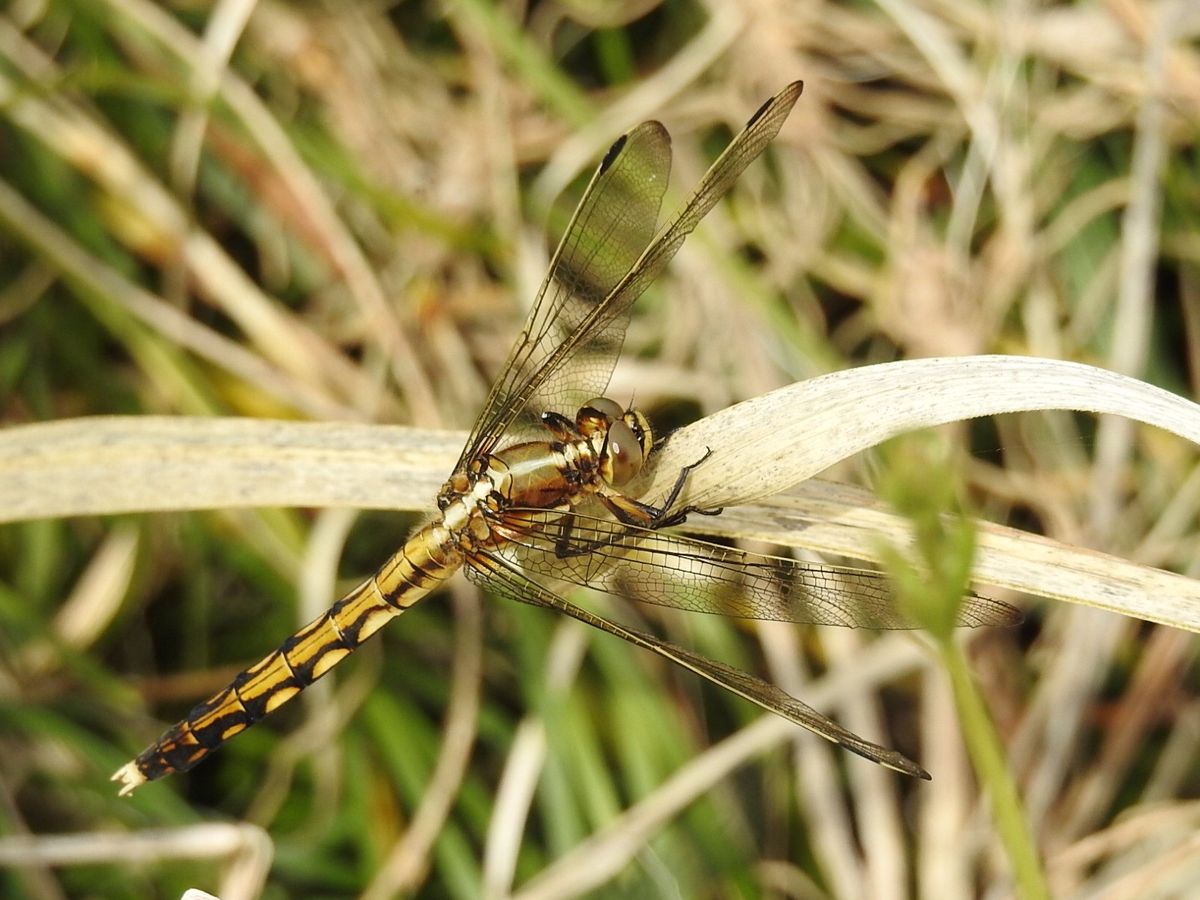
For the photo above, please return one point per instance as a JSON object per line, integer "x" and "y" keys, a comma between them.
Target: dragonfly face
{"x": 627, "y": 441}
{"x": 536, "y": 498}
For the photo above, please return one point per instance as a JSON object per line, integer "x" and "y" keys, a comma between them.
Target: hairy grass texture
{"x": 260, "y": 261}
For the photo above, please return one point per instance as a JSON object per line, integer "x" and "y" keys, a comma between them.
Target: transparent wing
{"x": 608, "y": 231}
{"x": 688, "y": 574}
{"x": 499, "y": 576}
{"x": 567, "y": 350}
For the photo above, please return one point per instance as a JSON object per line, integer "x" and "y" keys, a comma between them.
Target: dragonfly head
{"x": 627, "y": 438}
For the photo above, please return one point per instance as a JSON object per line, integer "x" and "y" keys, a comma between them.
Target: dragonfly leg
{"x": 567, "y": 546}
{"x": 634, "y": 512}
{"x": 678, "y": 518}
{"x": 680, "y": 480}
{"x": 663, "y": 516}
{"x": 560, "y": 426}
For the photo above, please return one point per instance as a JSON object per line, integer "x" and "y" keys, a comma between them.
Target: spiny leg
{"x": 635, "y": 512}
{"x": 629, "y": 511}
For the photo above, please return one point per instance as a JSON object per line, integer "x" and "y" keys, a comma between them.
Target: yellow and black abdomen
{"x": 426, "y": 560}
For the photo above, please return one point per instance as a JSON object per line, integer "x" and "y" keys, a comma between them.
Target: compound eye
{"x": 607, "y": 408}
{"x": 623, "y": 458}
{"x": 596, "y": 415}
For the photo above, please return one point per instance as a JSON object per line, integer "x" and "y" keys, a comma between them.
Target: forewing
{"x": 697, "y": 576}
{"x": 608, "y": 231}
{"x": 555, "y": 366}
{"x": 759, "y": 131}
{"x": 499, "y": 576}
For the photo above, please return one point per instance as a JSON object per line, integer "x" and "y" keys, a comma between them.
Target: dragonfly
{"x": 535, "y": 501}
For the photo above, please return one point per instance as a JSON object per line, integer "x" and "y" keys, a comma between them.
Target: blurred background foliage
{"x": 337, "y": 211}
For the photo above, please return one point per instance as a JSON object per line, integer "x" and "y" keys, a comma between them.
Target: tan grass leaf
{"x": 760, "y": 448}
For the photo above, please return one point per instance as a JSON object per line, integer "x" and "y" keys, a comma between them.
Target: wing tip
{"x": 979, "y": 611}
{"x": 786, "y": 99}
{"x": 889, "y": 759}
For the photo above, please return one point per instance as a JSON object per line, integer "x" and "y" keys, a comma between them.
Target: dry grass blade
{"x": 107, "y": 465}
{"x": 761, "y": 446}
{"x": 247, "y": 847}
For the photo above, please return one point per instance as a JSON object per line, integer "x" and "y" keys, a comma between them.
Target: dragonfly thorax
{"x": 604, "y": 447}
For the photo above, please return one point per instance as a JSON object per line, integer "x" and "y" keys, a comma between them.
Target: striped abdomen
{"x": 421, "y": 565}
